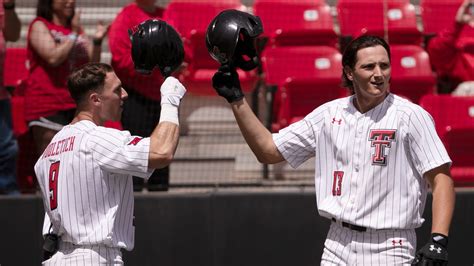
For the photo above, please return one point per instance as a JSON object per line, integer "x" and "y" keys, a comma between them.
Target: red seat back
{"x": 301, "y": 96}
{"x": 15, "y": 70}
{"x": 412, "y": 76}
{"x": 195, "y": 15}
{"x": 305, "y": 62}
{"x": 306, "y": 76}
{"x": 449, "y": 112}
{"x": 397, "y": 19}
{"x": 191, "y": 19}
{"x": 459, "y": 142}
{"x": 438, "y": 14}
{"x": 402, "y": 23}
{"x": 301, "y": 22}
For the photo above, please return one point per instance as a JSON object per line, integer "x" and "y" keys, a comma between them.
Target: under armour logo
{"x": 395, "y": 242}
{"x": 438, "y": 249}
{"x": 334, "y": 120}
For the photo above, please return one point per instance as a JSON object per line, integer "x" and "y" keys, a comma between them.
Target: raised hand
{"x": 101, "y": 30}
{"x": 172, "y": 91}
{"x": 227, "y": 84}
{"x": 465, "y": 14}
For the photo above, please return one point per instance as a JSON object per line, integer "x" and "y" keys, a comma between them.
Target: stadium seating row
{"x": 454, "y": 120}
{"x": 302, "y": 55}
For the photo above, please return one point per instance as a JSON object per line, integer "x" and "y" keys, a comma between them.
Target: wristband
{"x": 9, "y": 6}
{"x": 169, "y": 113}
{"x": 97, "y": 42}
{"x": 440, "y": 239}
{"x": 72, "y": 36}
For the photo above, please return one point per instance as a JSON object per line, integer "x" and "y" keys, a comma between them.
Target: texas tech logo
{"x": 381, "y": 139}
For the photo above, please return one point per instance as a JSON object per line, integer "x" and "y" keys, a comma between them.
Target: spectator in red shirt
{"x": 9, "y": 31}
{"x": 452, "y": 50}
{"x": 56, "y": 45}
{"x": 142, "y": 108}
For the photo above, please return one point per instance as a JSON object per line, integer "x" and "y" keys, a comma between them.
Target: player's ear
{"x": 94, "y": 98}
{"x": 348, "y": 73}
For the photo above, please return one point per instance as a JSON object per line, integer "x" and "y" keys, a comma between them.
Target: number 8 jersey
{"x": 368, "y": 167}
{"x": 85, "y": 179}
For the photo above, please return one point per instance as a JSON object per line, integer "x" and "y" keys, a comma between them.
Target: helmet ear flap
{"x": 246, "y": 47}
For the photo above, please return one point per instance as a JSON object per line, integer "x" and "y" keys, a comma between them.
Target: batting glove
{"x": 226, "y": 82}
{"x": 172, "y": 91}
{"x": 434, "y": 252}
{"x": 50, "y": 245}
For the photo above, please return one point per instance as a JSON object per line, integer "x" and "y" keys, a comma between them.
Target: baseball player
{"x": 85, "y": 173}
{"x": 376, "y": 154}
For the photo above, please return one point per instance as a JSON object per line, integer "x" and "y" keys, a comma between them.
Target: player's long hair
{"x": 349, "y": 56}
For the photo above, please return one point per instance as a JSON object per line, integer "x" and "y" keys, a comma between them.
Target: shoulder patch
{"x": 134, "y": 141}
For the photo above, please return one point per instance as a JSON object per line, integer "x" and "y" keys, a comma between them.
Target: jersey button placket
{"x": 356, "y": 159}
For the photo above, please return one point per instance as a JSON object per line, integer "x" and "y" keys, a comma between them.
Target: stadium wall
{"x": 219, "y": 228}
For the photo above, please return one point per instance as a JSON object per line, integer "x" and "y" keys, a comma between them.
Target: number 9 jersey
{"x": 85, "y": 180}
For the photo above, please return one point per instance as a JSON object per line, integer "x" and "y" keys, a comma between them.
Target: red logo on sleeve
{"x": 135, "y": 141}
{"x": 381, "y": 139}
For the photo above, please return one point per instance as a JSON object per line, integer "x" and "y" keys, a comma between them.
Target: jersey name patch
{"x": 381, "y": 139}
{"x": 58, "y": 147}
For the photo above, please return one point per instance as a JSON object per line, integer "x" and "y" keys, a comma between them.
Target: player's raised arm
{"x": 226, "y": 82}
{"x": 156, "y": 44}
{"x": 164, "y": 139}
{"x": 230, "y": 40}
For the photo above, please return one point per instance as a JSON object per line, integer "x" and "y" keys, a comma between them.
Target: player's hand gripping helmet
{"x": 231, "y": 36}
{"x": 156, "y": 43}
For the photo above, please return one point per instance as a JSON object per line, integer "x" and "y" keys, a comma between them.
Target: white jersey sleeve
{"x": 46, "y": 223}
{"x": 297, "y": 142}
{"x": 426, "y": 147}
{"x": 119, "y": 152}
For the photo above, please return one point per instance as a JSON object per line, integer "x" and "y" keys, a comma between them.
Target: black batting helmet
{"x": 156, "y": 43}
{"x": 231, "y": 35}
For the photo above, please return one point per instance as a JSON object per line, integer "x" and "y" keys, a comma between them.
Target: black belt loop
{"x": 351, "y": 226}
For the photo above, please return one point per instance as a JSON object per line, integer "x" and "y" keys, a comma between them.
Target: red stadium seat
{"x": 454, "y": 120}
{"x": 191, "y": 19}
{"x": 301, "y": 22}
{"x": 306, "y": 77}
{"x": 15, "y": 70}
{"x": 449, "y": 111}
{"x": 15, "y": 73}
{"x": 398, "y": 19}
{"x": 301, "y": 96}
{"x": 412, "y": 76}
{"x": 438, "y": 14}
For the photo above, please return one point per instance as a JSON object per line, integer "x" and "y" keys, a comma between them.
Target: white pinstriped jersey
{"x": 85, "y": 175}
{"x": 368, "y": 167}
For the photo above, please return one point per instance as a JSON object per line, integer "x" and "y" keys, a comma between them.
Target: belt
{"x": 351, "y": 226}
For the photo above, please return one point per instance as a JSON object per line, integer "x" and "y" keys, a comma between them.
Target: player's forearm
{"x": 443, "y": 203}
{"x": 255, "y": 134}
{"x": 12, "y": 26}
{"x": 163, "y": 144}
